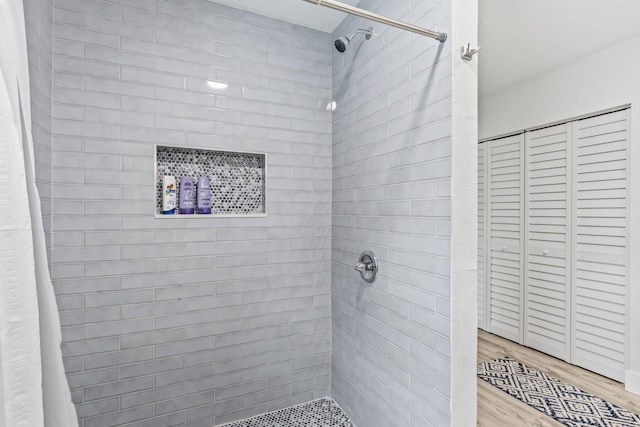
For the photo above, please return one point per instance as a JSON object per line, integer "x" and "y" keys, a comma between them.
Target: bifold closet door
{"x": 600, "y": 231}
{"x": 547, "y": 246}
{"x": 482, "y": 243}
{"x": 504, "y": 200}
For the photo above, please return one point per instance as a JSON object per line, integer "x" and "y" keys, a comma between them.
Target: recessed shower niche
{"x": 237, "y": 179}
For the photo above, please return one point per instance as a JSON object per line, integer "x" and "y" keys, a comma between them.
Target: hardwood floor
{"x": 497, "y": 409}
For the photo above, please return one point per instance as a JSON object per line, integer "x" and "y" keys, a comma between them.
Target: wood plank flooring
{"x": 498, "y": 409}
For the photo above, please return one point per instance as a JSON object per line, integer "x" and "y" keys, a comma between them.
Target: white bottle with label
{"x": 168, "y": 194}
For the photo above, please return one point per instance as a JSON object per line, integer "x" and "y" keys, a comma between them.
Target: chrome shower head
{"x": 342, "y": 43}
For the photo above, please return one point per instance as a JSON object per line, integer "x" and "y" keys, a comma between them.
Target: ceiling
{"x": 519, "y": 38}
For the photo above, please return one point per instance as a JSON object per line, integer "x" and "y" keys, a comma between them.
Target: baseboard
{"x": 632, "y": 381}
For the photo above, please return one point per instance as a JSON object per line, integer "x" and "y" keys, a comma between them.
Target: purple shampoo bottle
{"x": 204, "y": 195}
{"x": 186, "y": 196}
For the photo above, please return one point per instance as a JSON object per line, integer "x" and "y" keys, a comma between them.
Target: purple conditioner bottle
{"x": 204, "y": 195}
{"x": 186, "y": 196}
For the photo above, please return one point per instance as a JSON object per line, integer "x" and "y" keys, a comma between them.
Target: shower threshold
{"x": 323, "y": 412}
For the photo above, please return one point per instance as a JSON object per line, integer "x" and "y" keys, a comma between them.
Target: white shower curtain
{"x": 33, "y": 387}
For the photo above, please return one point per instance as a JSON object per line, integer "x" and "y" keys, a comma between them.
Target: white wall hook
{"x": 466, "y": 52}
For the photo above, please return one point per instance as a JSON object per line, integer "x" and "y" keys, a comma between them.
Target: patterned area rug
{"x": 559, "y": 400}
{"x": 317, "y": 413}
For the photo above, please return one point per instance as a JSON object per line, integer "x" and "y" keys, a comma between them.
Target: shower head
{"x": 342, "y": 43}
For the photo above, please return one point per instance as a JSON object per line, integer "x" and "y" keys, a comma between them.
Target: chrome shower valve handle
{"x": 363, "y": 267}
{"x": 367, "y": 266}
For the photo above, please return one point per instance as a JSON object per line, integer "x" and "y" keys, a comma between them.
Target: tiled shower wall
{"x": 173, "y": 321}
{"x": 391, "y": 180}
{"x": 39, "y": 29}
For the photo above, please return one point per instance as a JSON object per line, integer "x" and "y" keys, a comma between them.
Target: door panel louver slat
{"x": 600, "y": 246}
{"x": 482, "y": 244}
{"x": 546, "y": 282}
{"x": 504, "y": 170}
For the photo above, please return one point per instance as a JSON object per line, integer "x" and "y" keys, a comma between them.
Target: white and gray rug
{"x": 561, "y": 401}
{"x": 317, "y": 413}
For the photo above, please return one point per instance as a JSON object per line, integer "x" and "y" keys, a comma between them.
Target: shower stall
{"x": 202, "y": 320}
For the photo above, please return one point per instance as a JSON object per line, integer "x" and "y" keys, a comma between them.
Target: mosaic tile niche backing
{"x": 237, "y": 179}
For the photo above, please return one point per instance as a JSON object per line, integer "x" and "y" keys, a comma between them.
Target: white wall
{"x": 464, "y": 224}
{"x": 598, "y": 82}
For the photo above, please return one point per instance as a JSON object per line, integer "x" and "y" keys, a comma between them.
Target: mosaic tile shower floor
{"x": 317, "y": 413}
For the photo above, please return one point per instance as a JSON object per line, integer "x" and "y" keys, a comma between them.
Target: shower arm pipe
{"x": 379, "y": 18}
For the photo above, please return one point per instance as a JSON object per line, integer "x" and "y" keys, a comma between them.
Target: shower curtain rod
{"x": 379, "y": 18}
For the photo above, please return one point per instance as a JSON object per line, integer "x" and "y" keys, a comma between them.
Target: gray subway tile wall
{"x": 176, "y": 321}
{"x": 194, "y": 322}
{"x": 391, "y": 179}
{"x": 39, "y": 30}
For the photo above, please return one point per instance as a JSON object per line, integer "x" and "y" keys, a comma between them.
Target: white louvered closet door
{"x": 505, "y": 217}
{"x": 482, "y": 243}
{"x": 547, "y": 245}
{"x": 600, "y": 243}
